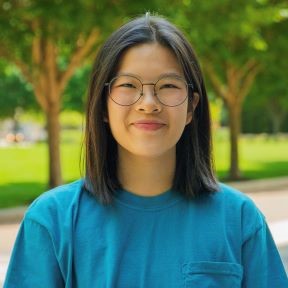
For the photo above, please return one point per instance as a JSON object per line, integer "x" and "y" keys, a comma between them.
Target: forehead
{"x": 149, "y": 61}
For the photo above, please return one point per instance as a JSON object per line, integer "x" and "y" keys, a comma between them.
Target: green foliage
{"x": 215, "y": 111}
{"x": 227, "y": 31}
{"x": 222, "y": 32}
{"x": 72, "y": 119}
{"x": 14, "y": 91}
{"x": 62, "y": 21}
{"x": 76, "y": 90}
{"x": 67, "y": 25}
{"x": 269, "y": 97}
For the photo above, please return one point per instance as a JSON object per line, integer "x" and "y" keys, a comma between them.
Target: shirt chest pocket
{"x": 212, "y": 274}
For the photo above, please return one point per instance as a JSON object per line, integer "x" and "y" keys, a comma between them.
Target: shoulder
{"x": 238, "y": 208}
{"x": 235, "y": 198}
{"x": 56, "y": 204}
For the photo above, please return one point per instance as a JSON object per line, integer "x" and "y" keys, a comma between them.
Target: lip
{"x": 149, "y": 125}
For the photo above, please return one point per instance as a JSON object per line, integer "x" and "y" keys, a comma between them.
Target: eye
{"x": 164, "y": 86}
{"x": 127, "y": 85}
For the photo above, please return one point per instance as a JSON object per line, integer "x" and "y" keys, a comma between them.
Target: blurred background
{"x": 46, "y": 53}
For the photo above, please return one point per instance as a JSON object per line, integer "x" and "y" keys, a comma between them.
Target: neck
{"x": 146, "y": 176}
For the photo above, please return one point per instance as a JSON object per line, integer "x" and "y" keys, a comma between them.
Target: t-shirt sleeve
{"x": 33, "y": 262}
{"x": 262, "y": 264}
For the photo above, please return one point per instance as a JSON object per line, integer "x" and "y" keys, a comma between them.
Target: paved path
{"x": 7, "y": 237}
{"x": 273, "y": 204}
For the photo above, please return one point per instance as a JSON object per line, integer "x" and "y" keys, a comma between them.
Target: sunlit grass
{"x": 260, "y": 156}
{"x": 24, "y": 169}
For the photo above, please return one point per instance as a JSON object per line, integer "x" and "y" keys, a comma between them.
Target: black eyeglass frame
{"x": 189, "y": 85}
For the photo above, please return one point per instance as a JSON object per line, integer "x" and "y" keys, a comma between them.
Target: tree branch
{"x": 52, "y": 72}
{"x": 249, "y": 65}
{"x": 38, "y": 92}
{"x": 36, "y": 44}
{"x": 248, "y": 81}
{"x": 24, "y": 68}
{"x": 218, "y": 86}
{"x": 77, "y": 57}
{"x": 232, "y": 79}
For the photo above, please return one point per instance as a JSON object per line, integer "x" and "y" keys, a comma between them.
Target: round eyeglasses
{"x": 125, "y": 90}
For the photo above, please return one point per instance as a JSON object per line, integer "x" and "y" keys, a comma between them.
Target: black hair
{"x": 194, "y": 174}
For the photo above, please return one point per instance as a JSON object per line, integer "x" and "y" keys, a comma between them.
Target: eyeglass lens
{"x": 126, "y": 90}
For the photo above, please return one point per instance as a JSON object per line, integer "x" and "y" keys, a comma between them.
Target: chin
{"x": 152, "y": 152}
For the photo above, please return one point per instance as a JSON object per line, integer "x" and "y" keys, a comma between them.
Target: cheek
{"x": 180, "y": 117}
{"x": 116, "y": 117}
{"x": 112, "y": 112}
{"x": 178, "y": 121}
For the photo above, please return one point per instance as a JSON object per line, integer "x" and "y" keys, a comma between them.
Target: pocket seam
{"x": 220, "y": 268}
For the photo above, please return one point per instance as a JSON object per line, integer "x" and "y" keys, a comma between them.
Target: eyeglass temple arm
{"x": 192, "y": 86}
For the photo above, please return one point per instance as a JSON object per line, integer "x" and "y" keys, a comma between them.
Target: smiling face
{"x": 147, "y": 128}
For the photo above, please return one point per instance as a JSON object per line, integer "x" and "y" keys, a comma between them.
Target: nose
{"x": 148, "y": 103}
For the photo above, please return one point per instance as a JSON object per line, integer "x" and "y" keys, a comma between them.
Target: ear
{"x": 105, "y": 119}
{"x": 191, "y": 107}
{"x": 188, "y": 117}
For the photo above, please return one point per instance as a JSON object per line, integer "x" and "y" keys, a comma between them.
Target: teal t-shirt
{"x": 68, "y": 239}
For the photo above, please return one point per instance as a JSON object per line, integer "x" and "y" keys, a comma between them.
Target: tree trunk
{"x": 234, "y": 130}
{"x": 49, "y": 81}
{"x": 53, "y": 129}
{"x": 277, "y": 115}
{"x": 276, "y": 124}
{"x": 238, "y": 84}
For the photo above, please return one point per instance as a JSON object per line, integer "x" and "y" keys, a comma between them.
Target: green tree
{"x": 75, "y": 92}
{"x": 14, "y": 91}
{"x": 267, "y": 108}
{"x": 228, "y": 37}
{"x": 271, "y": 89}
{"x": 48, "y": 40}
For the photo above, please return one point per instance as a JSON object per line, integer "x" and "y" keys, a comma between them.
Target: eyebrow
{"x": 169, "y": 74}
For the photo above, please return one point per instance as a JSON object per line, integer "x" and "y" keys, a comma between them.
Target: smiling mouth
{"x": 149, "y": 126}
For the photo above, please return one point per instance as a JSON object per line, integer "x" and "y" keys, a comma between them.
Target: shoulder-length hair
{"x": 194, "y": 174}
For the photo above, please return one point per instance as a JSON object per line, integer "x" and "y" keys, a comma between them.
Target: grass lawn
{"x": 23, "y": 169}
{"x": 261, "y": 156}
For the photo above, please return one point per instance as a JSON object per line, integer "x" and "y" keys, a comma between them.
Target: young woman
{"x": 149, "y": 212}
